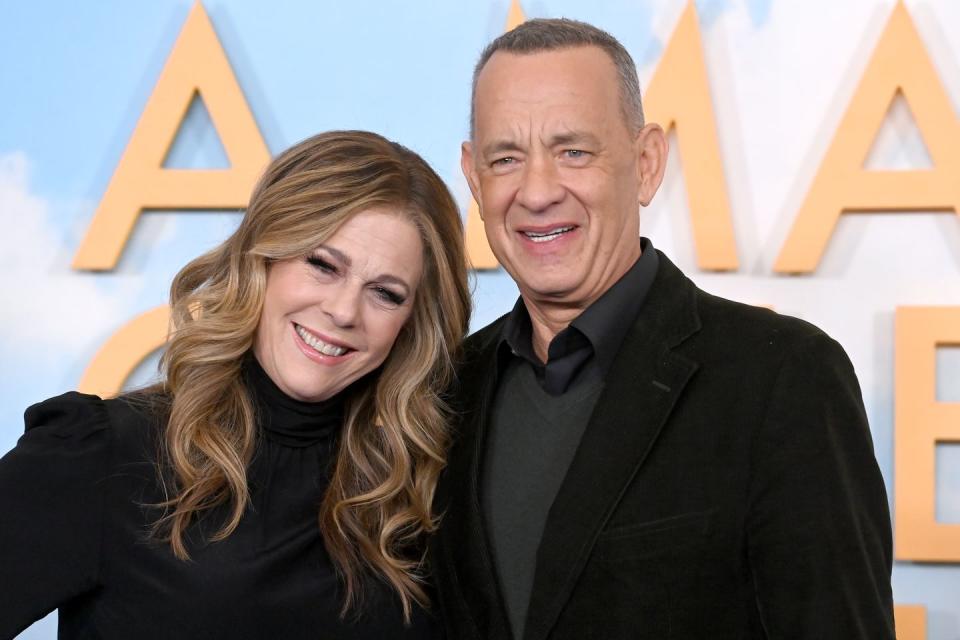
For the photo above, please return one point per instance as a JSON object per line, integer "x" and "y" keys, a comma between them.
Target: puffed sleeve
{"x": 51, "y": 506}
{"x": 818, "y": 533}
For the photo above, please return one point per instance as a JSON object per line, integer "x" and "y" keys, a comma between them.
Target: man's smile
{"x": 548, "y": 234}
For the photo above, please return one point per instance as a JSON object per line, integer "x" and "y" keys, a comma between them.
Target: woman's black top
{"x": 76, "y": 506}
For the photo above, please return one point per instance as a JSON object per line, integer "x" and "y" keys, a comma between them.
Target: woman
{"x": 277, "y": 483}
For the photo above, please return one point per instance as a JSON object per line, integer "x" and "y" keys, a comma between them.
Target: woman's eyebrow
{"x": 384, "y": 278}
{"x": 336, "y": 253}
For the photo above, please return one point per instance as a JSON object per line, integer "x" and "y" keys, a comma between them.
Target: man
{"x": 635, "y": 458}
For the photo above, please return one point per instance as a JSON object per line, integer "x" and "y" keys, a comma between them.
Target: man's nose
{"x": 342, "y": 304}
{"x": 540, "y": 185}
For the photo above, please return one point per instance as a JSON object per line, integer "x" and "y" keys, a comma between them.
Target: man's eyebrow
{"x": 556, "y": 140}
{"x": 499, "y": 146}
{"x": 572, "y": 138}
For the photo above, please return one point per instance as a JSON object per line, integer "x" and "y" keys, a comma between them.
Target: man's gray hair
{"x": 548, "y": 34}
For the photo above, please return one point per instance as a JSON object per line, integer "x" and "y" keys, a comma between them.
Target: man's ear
{"x": 470, "y": 172}
{"x": 651, "y": 148}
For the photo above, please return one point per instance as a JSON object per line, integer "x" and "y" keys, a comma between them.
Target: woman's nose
{"x": 342, "y": 304}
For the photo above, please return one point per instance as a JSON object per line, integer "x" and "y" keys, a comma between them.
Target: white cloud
{"x": 48, "y": 310}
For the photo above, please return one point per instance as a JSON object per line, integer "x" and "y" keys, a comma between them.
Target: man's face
{"x": 556, "y": 172}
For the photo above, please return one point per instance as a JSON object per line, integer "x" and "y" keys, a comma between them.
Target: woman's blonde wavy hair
{"x": 377, "y": 507}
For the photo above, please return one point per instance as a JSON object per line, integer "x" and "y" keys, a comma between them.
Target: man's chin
{"x": 555, "y": 292}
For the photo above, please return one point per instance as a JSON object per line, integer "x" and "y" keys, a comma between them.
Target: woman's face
{"x": 332, "y": 316}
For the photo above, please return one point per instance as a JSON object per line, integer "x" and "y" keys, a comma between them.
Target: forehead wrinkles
{"x": 520, "y": 110}
{"x": 528, "y": 121}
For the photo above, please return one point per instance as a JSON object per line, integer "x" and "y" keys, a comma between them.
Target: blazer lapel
{"x": 463, "y": 530}
{"x": 641, "y": 390}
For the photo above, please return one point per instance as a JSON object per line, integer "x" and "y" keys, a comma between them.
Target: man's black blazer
{"x": 725, "y": 487}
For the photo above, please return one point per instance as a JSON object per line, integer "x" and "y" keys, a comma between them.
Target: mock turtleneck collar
{"x": 285, "y": 420}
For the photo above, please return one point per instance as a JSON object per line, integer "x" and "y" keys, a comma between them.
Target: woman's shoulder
{"x": 61, "y": 459}
{"x": 75, "y": 422}
{"x": 70, "y": 417}
{"x": 73, "y": 484}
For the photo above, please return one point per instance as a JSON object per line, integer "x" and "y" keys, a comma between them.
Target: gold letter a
{"x": 197, "y": 65}
{"x": 899, "y": 64}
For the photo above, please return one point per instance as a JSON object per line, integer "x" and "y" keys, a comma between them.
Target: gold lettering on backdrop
{"x": 920, "y": 423}
{"x": 911, "y": 621}
{"x": 478, "y": 249}
{"x": 679, "y": 96}
{"x": 899, "y": 65}
{"x": 196, "y": 66}
{"x": 125, "y": 349}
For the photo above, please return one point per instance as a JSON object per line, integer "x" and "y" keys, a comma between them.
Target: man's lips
{"x": 543, "y": 234}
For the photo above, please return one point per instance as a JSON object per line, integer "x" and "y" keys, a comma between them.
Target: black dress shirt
{"x": 599, "y": 330}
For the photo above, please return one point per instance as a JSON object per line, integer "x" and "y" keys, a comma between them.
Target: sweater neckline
{"x": 288, "y": 421}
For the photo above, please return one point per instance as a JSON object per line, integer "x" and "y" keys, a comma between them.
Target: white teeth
{"x": 547, "y": 237}
{"x": 318, "y": 344}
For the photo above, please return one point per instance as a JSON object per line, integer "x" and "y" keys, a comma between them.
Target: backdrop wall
{"x": 778, "y": 147}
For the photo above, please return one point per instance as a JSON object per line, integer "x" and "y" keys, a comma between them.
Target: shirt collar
{"x": 606, "y": 322}
{"x": 598, "y": 331}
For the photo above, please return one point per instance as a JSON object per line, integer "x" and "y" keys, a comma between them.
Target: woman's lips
{"x": 321, "y": 346}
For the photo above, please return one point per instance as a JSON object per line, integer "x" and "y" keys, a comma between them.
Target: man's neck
{"x": 547, "y": 321}
{"x": 550, "y": 317}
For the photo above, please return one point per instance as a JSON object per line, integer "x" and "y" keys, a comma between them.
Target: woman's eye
{"x": 321, "y": 264}
{"x": 388, "y": 296}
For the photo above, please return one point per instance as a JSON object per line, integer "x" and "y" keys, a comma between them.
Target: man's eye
{"x": 502, "y": 162}
{"x": 321, "y": 264}
{"x": 576, "y": 153}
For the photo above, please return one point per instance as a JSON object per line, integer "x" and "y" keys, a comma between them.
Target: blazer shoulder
{"x": 475, "y": 362}
{"x": 745, "y": 327}
{"x": 484, "y": 339}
